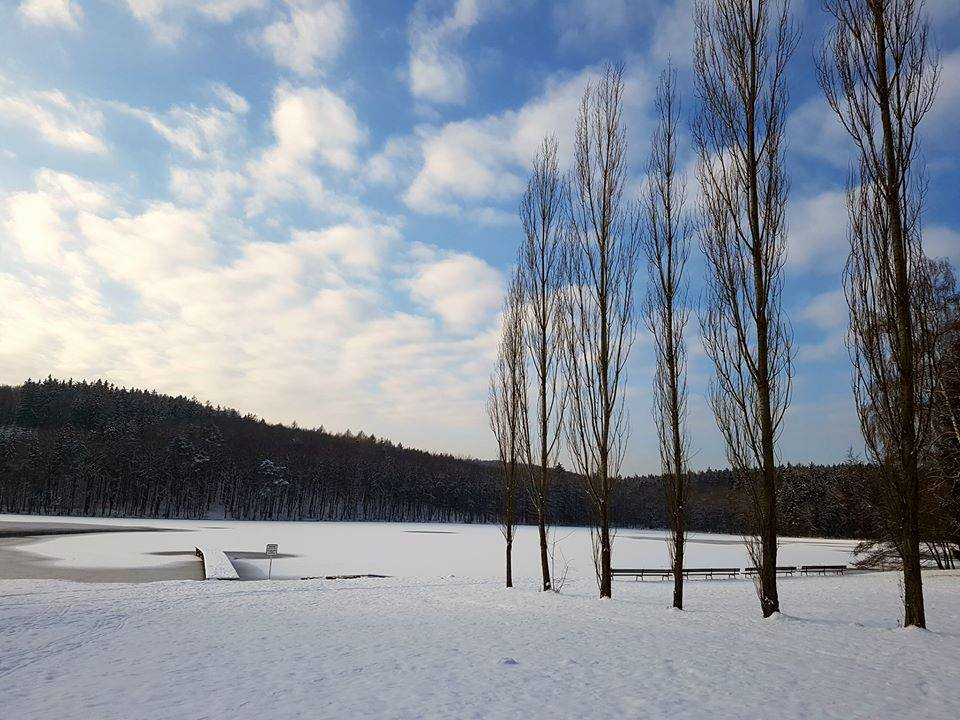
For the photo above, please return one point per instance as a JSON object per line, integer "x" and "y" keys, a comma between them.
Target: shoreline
{"x": 18, "y": 563}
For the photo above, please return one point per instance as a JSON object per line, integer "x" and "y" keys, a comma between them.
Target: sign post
{"x": 271, "y": 553}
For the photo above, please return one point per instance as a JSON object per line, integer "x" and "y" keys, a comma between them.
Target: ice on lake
{"x": 395, "y": 549}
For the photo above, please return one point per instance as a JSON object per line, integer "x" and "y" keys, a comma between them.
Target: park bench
{"x": 781, "y": 570}
{"x": 710, "y": 573}
{"x": 822, "y": 569}
{"x": 666, "y": 573}
{"x": 641, "y": 573}
{"x": 216, "y": 564}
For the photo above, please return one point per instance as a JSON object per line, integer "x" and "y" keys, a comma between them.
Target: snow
{"x": 442, "y": 638}
{"x": 398, "y": 549}
{"x": 437, "y": 647}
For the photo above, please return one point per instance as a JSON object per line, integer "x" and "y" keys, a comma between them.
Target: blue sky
{"x": 306, "y": 209}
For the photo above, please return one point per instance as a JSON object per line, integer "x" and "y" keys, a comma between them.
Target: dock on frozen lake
{"x": 216, "y": 564}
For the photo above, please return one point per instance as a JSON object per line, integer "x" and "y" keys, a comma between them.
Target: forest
{"x": 93, "y": 449}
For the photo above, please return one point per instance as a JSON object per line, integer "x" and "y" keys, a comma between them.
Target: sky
{"x": 306, "y": 209}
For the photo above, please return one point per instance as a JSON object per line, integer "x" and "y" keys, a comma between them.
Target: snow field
{"x": 438, "y": 648}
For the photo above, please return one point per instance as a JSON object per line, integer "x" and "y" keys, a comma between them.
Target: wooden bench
{"x": 822, "y": 569}
{"x": 667, "y": 573}
{"x": 781, "y": 570}
{"x": 710, "y": 573}
{"x": 216, "y": 564}
{"x": 641, "y": 573}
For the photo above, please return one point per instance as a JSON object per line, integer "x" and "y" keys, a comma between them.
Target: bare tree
{"x": 880, "y": 77}
{"x": 506, "y": 410}
{"x": 603, "y": 250}
{"x": 740, "y": 57}
{"x": 541, "y": 279}
{"x": 666, "y": 240}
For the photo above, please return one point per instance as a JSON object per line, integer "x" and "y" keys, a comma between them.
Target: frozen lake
{"x": 396, "y": 549}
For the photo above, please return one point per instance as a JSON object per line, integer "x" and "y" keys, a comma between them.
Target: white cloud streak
{"x": 65, "y": 14}
{"x": 436, "y": 71}
{"x": 63, "y": 122}
{"x": 310, "y": 34}
{"x": 311, "y": 127}
{"x": 472, "y": 165}
{"x": 166, "y": 19}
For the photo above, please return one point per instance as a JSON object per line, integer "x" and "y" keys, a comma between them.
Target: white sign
{"x": 271, "y": 553}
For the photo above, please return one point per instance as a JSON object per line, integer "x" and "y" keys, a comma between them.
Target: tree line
{"x": 90, "y": 448}
{"x": 572, "y": 311}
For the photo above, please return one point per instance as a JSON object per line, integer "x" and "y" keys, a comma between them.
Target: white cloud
{"x": 395, "y": 163}
{"x": 167, "y": 18}
{"x": 673, "y": 34}
{"x": 354, "y": 250}
{"x": 315, "y": 123}
{"x": 827, "y": 314}
{"x": 813, "y": 129}
{"x": 941, "y": 241}
{"x": 817, "y": 232}
{"x": 470, "y": 163}
{"x": 59, "y": 120}
{"x": 215, "y": 190}
{"x": 38, "y": 237}
{"x": 301, "y": 327}
{"x": 311, "y": 126}
{"x": 946, "y": 107}
{"x": 200, "y": 132}
{"x": 56, "y": 13}
{"x": 460, "y": 288}
{"x": 436, "y": 71}
{"x": 73, "y": 191}
{"x": 33, "y": 223}
{"x": 584, "y": 21}
{"x": 665, "y": 26}
{"x": 311, "y": 33}
{"x": 827, "y": 311}
{"x": 147, "y": 249}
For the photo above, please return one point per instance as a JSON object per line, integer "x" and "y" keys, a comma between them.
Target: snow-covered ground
{"x": 466, "y": 648}
{"x": 397, "y": 549}
{"x": 442, "y": 638}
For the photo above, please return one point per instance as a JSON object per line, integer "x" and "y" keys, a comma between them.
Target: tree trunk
{"x": 606, "y": 589}
{"x": 544, "y": 557}
{"x": 678, "y": 568}
{"x": 913, "y": 613}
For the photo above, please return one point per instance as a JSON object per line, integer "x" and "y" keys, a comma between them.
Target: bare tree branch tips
{"x": 540, "y": 277}
{"x": 602, "y": 253}
{"x": 507, "y": 411}
{"x": 667, "y": 229}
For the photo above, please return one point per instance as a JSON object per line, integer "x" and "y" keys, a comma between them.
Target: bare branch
{"x": 666, "y": 241}
{"x": 602, "y": 254}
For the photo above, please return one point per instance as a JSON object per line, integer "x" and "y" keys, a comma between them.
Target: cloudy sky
{"x": 306, "y": 209}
